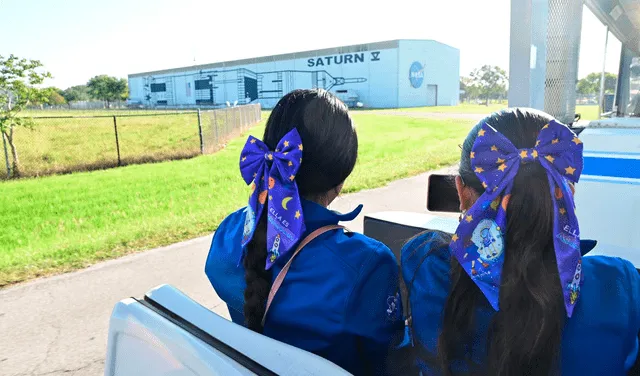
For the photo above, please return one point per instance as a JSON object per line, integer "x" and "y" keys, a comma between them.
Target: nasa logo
{"x": 416, "y": 74}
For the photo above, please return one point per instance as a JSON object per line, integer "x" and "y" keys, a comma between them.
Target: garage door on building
{"x": 432, "y": 95}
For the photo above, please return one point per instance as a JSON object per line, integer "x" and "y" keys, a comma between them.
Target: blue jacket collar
{"x": 316, "y": 216}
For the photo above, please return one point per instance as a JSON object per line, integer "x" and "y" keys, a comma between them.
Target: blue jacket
{"x": 601, "y": 338}
{"x": 338, "y": 299}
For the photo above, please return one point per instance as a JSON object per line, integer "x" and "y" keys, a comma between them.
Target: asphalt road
{"x": 58, "y": 325}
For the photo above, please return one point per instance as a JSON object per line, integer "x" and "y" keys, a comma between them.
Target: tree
{"x": 590, "y": 85}
{"x": 489, "y": 81}
{"x": 108, "y": 88}
{"x": 54, "y": 96}
{"x": 18, "y": 88}
{"x": 76, "y": 94}
{"x": 470, "y": 89}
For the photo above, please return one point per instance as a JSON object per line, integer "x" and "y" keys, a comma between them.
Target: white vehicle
{"x": 166, "y": 333}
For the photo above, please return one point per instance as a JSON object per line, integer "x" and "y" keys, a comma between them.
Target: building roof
{"x": 295, "y": 55}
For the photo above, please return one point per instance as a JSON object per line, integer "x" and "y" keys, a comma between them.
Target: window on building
{"x": 203, "y": 84}
{"x": 158, "y": 88}
{"x": 161, "y": 103}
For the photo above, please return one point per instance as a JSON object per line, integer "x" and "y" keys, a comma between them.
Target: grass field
{"x": 588, "y": 112}
{"x": 80, "y": 144}
{"x": 60, "y": 223}
{"x": 464, "y": 108}
{"x": 59, "y": 143}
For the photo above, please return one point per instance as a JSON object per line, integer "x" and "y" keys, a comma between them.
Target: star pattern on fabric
{"x": 244, "y": 159}
{"x": 500, "y": 161}
{"x": 494, "y": 148}
{"x": 286, "y": 143}
{"x": 576, "y": 140}
{"x": 479, "y": 170}
{"x": 297, "y": 214}
{"x": 481, "y": 132}
{"x": 570, "y": 170}
{"x": 300, "y": 147}
{"x": 473, "y": 154}
{"x": 549, "y": 158}
{"x": 555, "y": 141}
{"x": 292, "y": 177}
{"x": 469, "y": 218}
{"x": 534, "y": 154}
{"x": 290, "y": 164}
{"x": 562, "y": 211}
{"x": 503, "y": 167}
{"x": 455, "y": 237}
{"x": 523, "y": 154}
{"x": 253, "y": 141}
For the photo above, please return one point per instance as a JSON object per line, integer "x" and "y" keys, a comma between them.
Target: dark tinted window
{"x": 155, "y": 88}
{"x": 202, "y": 85}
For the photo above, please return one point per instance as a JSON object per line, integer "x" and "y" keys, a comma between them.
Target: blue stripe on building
{"x": 613, "y": 167}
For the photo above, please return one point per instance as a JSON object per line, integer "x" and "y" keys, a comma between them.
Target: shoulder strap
{"x": 283, "y": 273}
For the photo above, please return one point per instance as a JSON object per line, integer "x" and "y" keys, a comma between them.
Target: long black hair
{"x": 330, "y": 153}
{"x": 524, "y": 336}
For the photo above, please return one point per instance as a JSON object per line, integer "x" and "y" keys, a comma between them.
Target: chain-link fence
{"x": 62, "y": 144}
{"x": 218, "y": 126}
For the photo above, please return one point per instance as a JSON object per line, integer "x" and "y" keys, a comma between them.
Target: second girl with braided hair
{"x": 336, "y": 297}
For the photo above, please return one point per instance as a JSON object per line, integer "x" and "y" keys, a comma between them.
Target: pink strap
{"x": 283, "y": 273}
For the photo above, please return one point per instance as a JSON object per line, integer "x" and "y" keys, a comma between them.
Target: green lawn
{"x": 464, "y": 108}
{"x": 61, "y": 223}
{"x": 588, "y": 112}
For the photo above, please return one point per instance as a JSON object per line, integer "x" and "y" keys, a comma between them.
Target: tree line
{"x": 103, "y": 88}
{"x": 490, "y": 82}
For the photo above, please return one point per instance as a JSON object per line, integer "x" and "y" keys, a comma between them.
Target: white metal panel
{"x": 142, "y": 342}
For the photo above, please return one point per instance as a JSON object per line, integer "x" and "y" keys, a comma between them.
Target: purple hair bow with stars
{"x": 479, "y": 241}
{"x": 271, "y": 176}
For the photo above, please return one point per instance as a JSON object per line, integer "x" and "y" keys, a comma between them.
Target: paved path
{"x": 58, "y": 325}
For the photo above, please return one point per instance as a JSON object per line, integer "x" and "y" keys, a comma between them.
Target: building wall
{"x": 428, "y": 67}
{"x": 375, "y": 74}
{"x": 366, "y": 76}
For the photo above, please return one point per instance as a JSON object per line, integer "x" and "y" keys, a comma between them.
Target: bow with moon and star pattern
{"x": 480, "y": 239}
{"x": 271, "y": 176}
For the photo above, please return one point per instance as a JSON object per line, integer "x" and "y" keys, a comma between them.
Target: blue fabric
{"x": 338, "y": 299}
{"x": 601, "y": 338}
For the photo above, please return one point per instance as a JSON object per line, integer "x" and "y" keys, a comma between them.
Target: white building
{"x": 399, "y": 73}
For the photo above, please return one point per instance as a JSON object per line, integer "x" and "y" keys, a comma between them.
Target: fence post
{"x": 200, "y": 132}
{"x": 115, "y": 128}
{"x": 6, "y": 156}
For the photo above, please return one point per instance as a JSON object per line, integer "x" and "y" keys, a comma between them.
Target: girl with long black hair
{"x": 336, "y": 297}
{"x": 510, "y": 293}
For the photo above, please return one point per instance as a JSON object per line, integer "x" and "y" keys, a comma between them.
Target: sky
{"x": 79, "y": 39}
